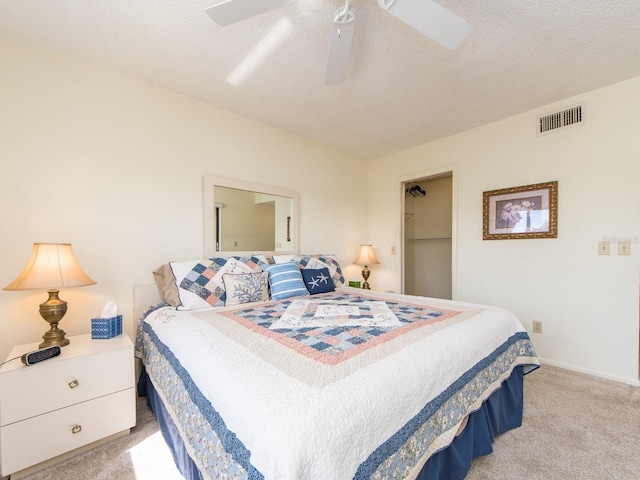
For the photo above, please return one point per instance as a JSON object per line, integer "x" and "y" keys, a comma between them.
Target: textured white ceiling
{"x": 402, "y": 90}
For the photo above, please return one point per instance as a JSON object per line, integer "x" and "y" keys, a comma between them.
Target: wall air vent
{"x": 565, "y": 118}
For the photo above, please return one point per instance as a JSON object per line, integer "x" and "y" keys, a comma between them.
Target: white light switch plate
{"x": 604, "y": 248}
{"x": 624, "y": 248}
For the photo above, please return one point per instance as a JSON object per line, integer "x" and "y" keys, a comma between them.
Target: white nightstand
{"x": 84, "y": 395}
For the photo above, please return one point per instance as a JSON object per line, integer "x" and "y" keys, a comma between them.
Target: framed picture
{"x": 530, "y": 211}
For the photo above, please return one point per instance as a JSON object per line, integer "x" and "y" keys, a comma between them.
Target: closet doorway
{"x": 428, "y": 236}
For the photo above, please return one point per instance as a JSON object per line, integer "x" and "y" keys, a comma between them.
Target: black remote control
{"x": 36, "y": 356}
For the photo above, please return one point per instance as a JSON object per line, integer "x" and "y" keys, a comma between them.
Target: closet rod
{"x": 427, "y": 239}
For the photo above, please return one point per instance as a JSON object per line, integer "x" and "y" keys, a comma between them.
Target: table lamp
{"x": 52, "y": 266}
{"x": 366, "y": 257}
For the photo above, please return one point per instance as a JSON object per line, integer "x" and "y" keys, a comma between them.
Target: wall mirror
{"x": 244, "y": 218}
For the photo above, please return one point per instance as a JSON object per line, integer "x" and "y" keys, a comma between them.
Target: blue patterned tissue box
{"x": 106, "y": 327}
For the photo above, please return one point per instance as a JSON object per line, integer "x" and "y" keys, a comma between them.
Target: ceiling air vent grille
{"x": 565, "y": 118}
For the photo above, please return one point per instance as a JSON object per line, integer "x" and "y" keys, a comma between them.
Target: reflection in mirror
{"x": 243, "y": 217}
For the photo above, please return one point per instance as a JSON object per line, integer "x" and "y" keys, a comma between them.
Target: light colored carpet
{"x": 575, "y": 427}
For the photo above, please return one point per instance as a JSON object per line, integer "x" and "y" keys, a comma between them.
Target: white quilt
{"x": 309, "y": 411}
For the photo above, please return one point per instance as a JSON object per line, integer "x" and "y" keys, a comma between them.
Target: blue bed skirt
{"x": 501, "y": 412}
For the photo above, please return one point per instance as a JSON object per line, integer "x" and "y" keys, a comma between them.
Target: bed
{"x": 336, "y": 383}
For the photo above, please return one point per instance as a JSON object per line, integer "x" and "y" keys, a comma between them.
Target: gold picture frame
{"x": 529, "y": 211}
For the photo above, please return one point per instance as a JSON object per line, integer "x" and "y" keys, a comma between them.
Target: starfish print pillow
{"x": 317, "y": 280}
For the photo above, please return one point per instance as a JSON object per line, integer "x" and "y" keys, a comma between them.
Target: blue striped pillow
{"x": 285, "y": 280}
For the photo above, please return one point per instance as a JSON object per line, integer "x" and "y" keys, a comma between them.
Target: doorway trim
{"x": 425, "y": 175}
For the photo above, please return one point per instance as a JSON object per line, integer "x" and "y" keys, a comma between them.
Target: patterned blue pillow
{"x": 245, "y": 288}
{"x": 317, "y": 280}
{"x": 285, "y": 281}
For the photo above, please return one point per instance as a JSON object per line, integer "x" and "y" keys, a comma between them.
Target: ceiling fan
{"x": 426, "y": 16}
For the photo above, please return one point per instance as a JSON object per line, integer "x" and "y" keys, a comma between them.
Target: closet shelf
{"x": 427, "y": 239}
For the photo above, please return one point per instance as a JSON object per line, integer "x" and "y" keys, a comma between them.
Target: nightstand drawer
{"x": 39, "y": 438}
{"x": 45, "y": 387}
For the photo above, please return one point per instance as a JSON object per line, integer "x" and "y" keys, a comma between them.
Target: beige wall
{"x": 115, "y": 166}
{"x": 588, "y": 303}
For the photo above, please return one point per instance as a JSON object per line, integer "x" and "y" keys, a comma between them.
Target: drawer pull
{"x": 76, "y": 429}
{"x": 74, "y": 383}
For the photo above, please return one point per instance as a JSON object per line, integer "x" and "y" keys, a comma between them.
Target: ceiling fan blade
{"x": 339, "y": 47}
{"x": 433, "y": 20}
{"x": 227, "y": 12}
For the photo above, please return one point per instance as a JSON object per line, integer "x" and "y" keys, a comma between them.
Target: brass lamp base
{"x": 52, "y": 311}
{"x": 365, "y": 275}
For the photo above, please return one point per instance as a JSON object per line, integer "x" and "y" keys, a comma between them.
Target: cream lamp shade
{"x": 366, "y": 257}
{"x": 52, "y": 266}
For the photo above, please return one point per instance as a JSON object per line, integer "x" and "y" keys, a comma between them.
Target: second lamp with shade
{"x": 366, "y": 257}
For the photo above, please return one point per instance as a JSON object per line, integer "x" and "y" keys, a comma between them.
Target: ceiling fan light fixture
{"x": 344, "y": 15}
{"x": 426, "y": 16}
